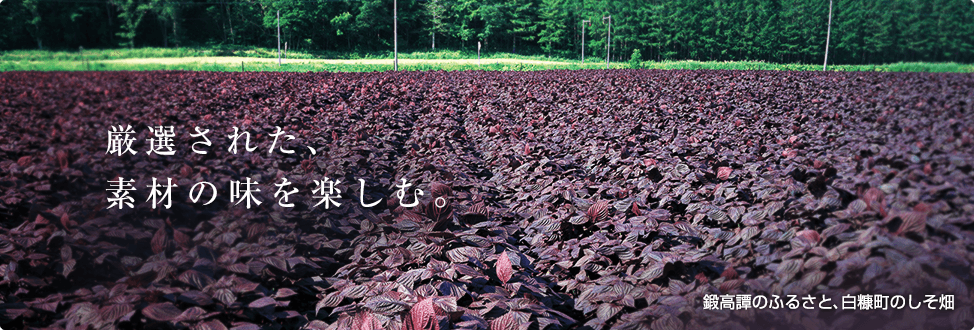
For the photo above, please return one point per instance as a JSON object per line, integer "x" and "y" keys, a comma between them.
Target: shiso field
{"x": 567, "y": 199}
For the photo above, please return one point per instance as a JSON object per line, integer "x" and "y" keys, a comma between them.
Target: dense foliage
{"x": 782, "y": 31}
{"x": 572, "y": 199}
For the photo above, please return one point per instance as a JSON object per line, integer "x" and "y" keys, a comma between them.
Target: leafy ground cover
{"x": 568, "y": 199}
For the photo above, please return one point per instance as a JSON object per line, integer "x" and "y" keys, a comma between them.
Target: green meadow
{"x": 263, "y": 59}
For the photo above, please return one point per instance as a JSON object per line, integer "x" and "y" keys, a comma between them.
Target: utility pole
{"x": 278, "y": 37}
{"x": 583, "y": 39}
{"x": 828, "y": 35}
{"x": 608, "y": 39}
{"x": 395, "y": 37}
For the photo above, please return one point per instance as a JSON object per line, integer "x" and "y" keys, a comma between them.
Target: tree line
{"x": 783, "y": 31}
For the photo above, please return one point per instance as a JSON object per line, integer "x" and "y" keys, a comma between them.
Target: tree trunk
{"x": 175, "y": 27}
{"x": 230, "y": 20}
{"x": 37, "y": 29}
{"x": 165, "y": 37}
{"x": 108, "y": 11}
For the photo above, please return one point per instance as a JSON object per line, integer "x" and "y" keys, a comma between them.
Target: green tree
{"x": 773, "y": 30}
{"x": 35, "y": 21}
{"x": 878, "y": 30}
{"x": 461, "y": 17}
{"x": 168, "y": 14}
{"x": 656, "y": 31}
{"x": 434, "y": 10}
{"x": 552, "y": 24}
{"x": 343, "y": 26}
{"x": 625, "y": 26}
{"x": 636, "y": 59}
{"x": 848, "y": 23}
{"x": 767, "y": 41}
{"x": 522, "y": 19}
{"x": 491, "y": 15}
{"x": 133, "y": 11}
{"x": 960, "y": 24}
{"x": 374, "y": 21}
{"x": 918, "y": 34}
{"x": 790, "y": 32}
